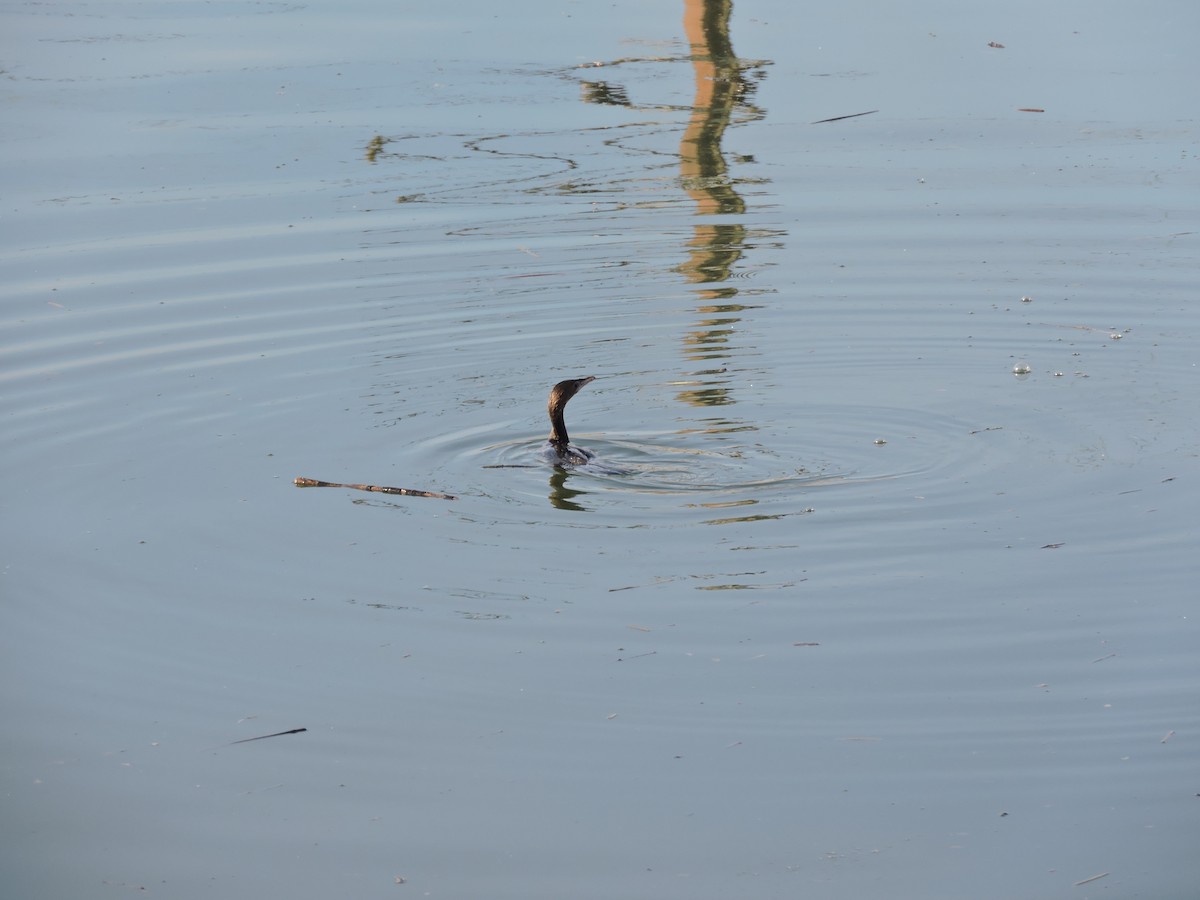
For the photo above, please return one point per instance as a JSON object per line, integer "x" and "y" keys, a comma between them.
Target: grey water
{"x": 885, "y": 587}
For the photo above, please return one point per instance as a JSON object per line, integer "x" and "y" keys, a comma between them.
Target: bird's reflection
{"x": 561, "y": 496}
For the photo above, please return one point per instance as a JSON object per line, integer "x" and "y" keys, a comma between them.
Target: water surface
{"x": 867, "y": 612}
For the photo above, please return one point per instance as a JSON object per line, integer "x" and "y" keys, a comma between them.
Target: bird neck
{"x": 558, "y": 428}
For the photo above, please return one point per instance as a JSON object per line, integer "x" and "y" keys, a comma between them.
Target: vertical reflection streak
{"x": 721, "y": 89}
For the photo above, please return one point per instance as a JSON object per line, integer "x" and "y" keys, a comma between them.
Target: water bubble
{"x": 1022, "y": 368}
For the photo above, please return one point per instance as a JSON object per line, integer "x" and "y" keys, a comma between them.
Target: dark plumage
{"x": 559, "y": 440}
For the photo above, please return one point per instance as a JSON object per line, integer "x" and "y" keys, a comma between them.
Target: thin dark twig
{"x": 839, "y": 118}
{"x": 264, "y": 736}
{"x": 379, "y": 489}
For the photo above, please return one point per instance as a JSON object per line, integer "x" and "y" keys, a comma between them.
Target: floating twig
{"x": 379, "y": 489}
{"x": 1093, "y": 878}
{"x": 637, "y": 655}
{"x": 265, "y": 736}
{"x": 839, "y": 118}
{"x": 259, "y": 738}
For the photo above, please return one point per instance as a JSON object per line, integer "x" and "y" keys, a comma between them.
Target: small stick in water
{"x": 839, "y": 118}
{"x": 263, "y": 736}
{"x": 259, "y": 738}
{"x": 379, "y": 489}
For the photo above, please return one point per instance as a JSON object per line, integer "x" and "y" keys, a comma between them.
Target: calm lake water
{"x": 893, "y": 317}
